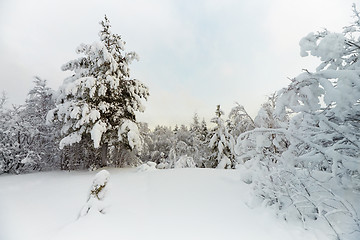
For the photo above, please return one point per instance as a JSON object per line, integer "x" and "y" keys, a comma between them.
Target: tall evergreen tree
{"x": 221, "y": 143}
{"x": 195, "y": 125}
{"x": 46, "y": 138}
{"x": 26, "y": 142}
{"x": 203, "y": 130}
{"x": 98, "y": 102}
{"x": 198, "y": 150}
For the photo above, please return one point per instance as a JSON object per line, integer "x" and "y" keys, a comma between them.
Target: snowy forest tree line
{"x": 301, "y": 153}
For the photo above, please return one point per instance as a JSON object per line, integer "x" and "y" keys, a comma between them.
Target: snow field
{"x": 161, "y": 204}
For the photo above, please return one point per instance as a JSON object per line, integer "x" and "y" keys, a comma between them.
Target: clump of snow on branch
{"x": 96, "y": 132}
{"x": 130, "y": 130}
{"x": 326, "y": 47}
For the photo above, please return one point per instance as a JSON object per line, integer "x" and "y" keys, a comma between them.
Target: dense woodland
{"x": 301, "y": 153}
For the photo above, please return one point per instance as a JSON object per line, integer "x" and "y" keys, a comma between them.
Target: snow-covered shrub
{"x": 313, "y": 173}
{"x": 165, "y": 163}
{"x": 162, "y": 140}
{"x": 239, "y": 121}
{"x": 96, "y": 201}
{"x": 326, "y": 106}
{"x": 164, "y": 145}
{"x": 180, "y": 156}
{"x": 146, "y": 167}
{"x": 185, "y": 162}
{"x": 266, "y": 142}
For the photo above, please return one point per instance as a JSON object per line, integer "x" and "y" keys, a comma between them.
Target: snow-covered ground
{"x": 161, "y": 204}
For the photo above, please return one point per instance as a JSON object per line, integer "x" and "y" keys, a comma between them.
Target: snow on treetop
{"x": 101, "y": 178}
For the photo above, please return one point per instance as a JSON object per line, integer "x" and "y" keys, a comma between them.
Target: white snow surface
{"x": 164, "y": 204}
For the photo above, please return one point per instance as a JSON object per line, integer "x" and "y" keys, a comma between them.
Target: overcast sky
{"x": 193, "y": 54}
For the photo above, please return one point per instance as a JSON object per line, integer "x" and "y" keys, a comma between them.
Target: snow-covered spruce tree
{"x": 184, "y": 134}
{"x": 203, "y": 131}
{"x": 198, "y": 147}
{"x": 145, "y": 132}
{"x": 221, "y": 144}
{"x": 15, "y": 138}
{"x": 45, "y": 144}
{"x": 26, "y": 143}
{"x": 99, "y": 100}
{"x": 195, "y": 126}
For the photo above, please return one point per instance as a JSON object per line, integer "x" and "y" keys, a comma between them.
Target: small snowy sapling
{"x": 97, "y": 194}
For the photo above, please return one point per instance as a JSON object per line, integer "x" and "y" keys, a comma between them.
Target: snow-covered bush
{"x": 314, "y": 172}
{"x": 162, "y": 140}
{"x": 96, "y": 200}
{"x": 146, "y": 167}
{"x": 266, "y": 142}
{"x": 166, "y": 146}
{"x": 185, "y": 162}
{"x": 239, "y": 121}
{"x": 181, "y": 156}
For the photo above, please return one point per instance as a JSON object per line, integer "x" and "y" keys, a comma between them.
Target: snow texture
{"x": 173, "y": 204}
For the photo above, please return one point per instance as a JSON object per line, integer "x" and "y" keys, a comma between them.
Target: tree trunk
{"x": 104, "y": 157}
